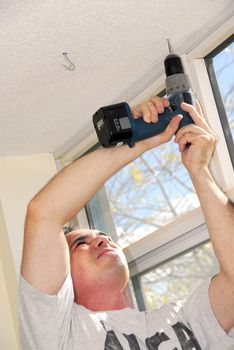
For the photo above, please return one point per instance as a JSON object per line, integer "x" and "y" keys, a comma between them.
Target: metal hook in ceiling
{"x": 70, "y": 65}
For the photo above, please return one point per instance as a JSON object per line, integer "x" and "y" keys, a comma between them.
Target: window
{"x": 175, "y": 279}
{"x": 220, "y": 66}
{"x": 147, "y": 194}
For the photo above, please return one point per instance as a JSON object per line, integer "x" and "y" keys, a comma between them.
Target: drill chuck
{"x": 176, "y": 80}
{"x": 173, "y": 65}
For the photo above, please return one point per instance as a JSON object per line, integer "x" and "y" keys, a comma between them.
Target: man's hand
{"x": 149, "y": 111}
{"x": 200, "y": 138}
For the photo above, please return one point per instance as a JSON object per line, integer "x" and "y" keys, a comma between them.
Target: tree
{"x": 175, "y": 279}
{"x": 149, "y": 193}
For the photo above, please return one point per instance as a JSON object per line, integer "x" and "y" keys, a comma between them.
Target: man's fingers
{"x": 150, "y": 109}
{"x": 136, "y": 112}
{"x": 195, "y": 115}
{"x": 192, "y": 111}
{"x": 146, "y": 113}
{"x": 153, "y": 112}
{"x": 165, "y": 102}
{"x": 192, "y": 138}
{"x": 199, "y": 108}
{"x": 189, "y": 128}
{"x": 171, "y": 128}
{"x": 142, "y": 110}
{"x": 186, "y": 139}
{"x": 201, "y": 139}
{"x": 160, "y": 103}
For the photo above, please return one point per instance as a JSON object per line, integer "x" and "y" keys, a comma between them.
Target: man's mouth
{"x": 104, "y": 251}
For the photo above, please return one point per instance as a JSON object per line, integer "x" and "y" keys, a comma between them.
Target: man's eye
{"x": 80, "y": 243}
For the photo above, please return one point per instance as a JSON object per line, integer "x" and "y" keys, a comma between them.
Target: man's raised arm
{"x": 45, "y": 261}
{"x": 217, "y": 208}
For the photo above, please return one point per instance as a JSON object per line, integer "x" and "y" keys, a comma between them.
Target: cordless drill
{"x": 115, "y": 124}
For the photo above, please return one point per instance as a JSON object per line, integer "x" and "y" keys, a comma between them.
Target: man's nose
{"x": 101, "y": 241}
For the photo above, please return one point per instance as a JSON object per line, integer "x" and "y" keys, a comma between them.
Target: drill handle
{"x": 142, "y": 130}
{"x": 175, "y": 103}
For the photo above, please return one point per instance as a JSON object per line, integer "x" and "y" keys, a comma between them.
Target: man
{"x": 73, "y": 289}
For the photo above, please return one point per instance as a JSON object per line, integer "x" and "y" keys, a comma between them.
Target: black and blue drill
{"x": 115, "y": 124}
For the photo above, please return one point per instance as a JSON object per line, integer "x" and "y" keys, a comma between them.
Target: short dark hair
{"x": 69, "y": 228}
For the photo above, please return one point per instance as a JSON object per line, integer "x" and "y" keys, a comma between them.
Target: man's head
{"x": 97, "y": 263}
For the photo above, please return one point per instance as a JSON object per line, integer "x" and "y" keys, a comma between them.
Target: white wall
{"x": 20, "y": 178}
{"x": 8, "y": 337}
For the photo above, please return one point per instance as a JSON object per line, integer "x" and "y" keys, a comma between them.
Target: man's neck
{"x": 105, "y": 301}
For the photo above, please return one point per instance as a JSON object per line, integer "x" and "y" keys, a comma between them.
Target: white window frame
{"x": 178, "y": 236}
{"x": 190, "y": 229}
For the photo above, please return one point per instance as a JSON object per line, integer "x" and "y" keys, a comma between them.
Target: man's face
{"x": 95, "y": 259}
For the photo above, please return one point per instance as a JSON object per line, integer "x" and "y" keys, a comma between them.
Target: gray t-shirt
{"x": 57, "y": 323}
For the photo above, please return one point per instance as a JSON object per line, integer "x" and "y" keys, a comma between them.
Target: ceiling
{"x": 113, "y": 45}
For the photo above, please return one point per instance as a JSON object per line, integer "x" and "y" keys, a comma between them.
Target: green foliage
{"x": 149, "y": 193}
{"x": 174, "y": 280}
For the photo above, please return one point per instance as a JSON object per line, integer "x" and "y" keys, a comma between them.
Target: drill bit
{"x": 170, "y": 47}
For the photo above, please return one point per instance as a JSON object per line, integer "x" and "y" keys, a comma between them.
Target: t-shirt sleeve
{"x": 198, "y": 313}
{"x": 44, "y": 319}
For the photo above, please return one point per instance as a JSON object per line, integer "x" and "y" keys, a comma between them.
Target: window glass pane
{"x": 224, "y": 71}
{"x": 149, "y": 193}
{"x": 174, "y": 280}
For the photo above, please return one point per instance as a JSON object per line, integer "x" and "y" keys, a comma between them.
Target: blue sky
{"x": 224, "y": 68}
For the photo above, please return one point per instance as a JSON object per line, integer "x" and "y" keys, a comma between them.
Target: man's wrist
{"x": 123, "y": 155}
{"x": 201, "y": 175}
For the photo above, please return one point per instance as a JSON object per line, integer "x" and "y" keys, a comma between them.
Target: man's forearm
{"x": 75, "y": 185}
{"x": 219, "y": 215}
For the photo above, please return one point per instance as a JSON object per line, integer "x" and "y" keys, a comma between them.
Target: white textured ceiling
{"x": 112, "y": 43}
